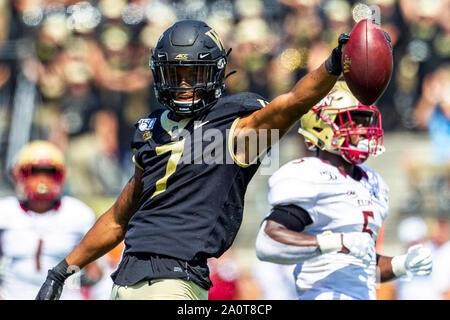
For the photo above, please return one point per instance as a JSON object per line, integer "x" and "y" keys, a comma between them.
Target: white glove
{"x": 416, "y": 262}
{"x": 360, "y": 245}
{"x": 329, "y": 242}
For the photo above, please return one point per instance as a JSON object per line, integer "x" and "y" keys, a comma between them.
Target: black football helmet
{"x": 188, "y": 66}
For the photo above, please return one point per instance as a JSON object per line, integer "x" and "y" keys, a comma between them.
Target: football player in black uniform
{"x": 180, "y": 209}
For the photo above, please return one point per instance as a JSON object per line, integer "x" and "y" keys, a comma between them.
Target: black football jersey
{"x": 193, "y": 192}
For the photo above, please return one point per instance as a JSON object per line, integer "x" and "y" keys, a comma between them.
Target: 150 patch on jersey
{"x": 146, "y": 124}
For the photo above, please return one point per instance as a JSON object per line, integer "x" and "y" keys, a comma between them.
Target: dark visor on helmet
{"x": 179, "y": 76}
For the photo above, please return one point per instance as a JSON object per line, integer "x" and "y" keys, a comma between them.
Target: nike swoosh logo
{"x": 203, "y": 55}
{"x": 198, "y": 125}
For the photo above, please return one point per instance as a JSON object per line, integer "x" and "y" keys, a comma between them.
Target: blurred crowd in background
{"x": 76, "y": 73}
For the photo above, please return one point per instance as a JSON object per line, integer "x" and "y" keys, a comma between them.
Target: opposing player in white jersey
{"x": 327, "y": 210}
{"x": 39, "y": 226}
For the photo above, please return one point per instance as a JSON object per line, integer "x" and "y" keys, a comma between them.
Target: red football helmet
{"x": 39, "y": 173}
{"x": 341, "y": 125}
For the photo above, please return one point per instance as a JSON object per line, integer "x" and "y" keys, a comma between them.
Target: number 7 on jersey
{"x": 176, "y": 148}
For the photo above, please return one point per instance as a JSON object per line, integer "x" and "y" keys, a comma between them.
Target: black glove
{"x": 53, "y": 285}
{"x": 333, "y": 63}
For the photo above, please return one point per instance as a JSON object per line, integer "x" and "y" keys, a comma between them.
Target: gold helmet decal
{"x": 215, "y": 37}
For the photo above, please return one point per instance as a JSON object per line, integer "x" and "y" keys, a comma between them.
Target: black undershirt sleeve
{"x": 293, "y": 217}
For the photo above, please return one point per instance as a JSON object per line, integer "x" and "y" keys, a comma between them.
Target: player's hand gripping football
{"x": 53, "y": 285}
{"x": 360, "y": 245}
{"x": 416, "y": 262}
{"x": 333, "y": 63}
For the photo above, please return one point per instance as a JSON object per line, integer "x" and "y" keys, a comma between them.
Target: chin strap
{"x": 309, "y": 136}
{"x": 231, "y": 73}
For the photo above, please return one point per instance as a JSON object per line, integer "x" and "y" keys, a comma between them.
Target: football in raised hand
{"x": 367, "y": 62}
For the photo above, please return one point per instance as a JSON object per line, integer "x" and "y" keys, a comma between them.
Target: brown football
{"x": 367, "y": 62}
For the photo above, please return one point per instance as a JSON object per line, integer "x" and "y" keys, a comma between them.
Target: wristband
{"x": 398, "y": 265}
{"x": 329, "y": 242}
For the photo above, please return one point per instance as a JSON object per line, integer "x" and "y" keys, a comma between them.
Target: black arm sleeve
{"x": 293, "y": 217}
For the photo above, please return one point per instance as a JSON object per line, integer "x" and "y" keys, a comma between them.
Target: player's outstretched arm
{"x": 282, "y": 112}
{"x": 106, "y": 233}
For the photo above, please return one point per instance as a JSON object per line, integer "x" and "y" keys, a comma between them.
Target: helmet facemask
{"x": 358, "y": 133}
{"x": 40, "y": 183}
{"x": 188, "y": 89}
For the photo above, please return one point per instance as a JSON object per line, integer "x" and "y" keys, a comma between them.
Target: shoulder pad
{"x": 299, "y": 168}
{"x": 236, "y": 105}
{"x": 294, "y": 183}
{"x": 247, "y": 99}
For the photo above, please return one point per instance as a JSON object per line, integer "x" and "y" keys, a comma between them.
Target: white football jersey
{"x": 33, "y": 243}
{"x": 337, "y": 203}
